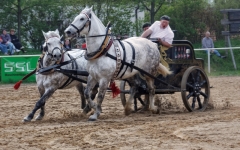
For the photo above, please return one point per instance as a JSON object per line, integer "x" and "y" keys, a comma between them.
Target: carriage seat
{"x": 163, "y": 55}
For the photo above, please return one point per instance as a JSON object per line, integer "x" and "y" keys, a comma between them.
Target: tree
{"x": 30, "y": 17}
{"x": 187, "y": 18}
{"x": 219, "y": 5}
{"x": 153, "y": 7}
{"x": 14, "y": 11}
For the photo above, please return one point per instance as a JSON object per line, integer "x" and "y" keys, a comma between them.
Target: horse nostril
{"x": 68, "y": 32}
{"x": 60, "y": 55}
{"x": 54, "y": 56}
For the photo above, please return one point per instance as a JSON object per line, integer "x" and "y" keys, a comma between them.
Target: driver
{"x": 160, "y": 30}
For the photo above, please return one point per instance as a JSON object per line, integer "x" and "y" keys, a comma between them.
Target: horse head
{"x": 81, "y": 24}
{"x": 53, "y": 47}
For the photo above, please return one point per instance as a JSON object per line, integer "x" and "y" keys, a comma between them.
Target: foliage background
{"x": 191, "y": 18}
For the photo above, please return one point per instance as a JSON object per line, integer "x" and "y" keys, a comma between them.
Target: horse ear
{"x": 44, "y": 34}
{"x": 91, "y": 8}
{"x": 56, "y": 31}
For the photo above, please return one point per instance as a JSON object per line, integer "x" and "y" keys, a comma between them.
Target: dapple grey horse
{"x": 50, "y": 81}
{"x": 102, "y": 69}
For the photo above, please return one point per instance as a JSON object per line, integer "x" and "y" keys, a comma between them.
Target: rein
{"x": 55, "y": 66}
{"x": 104, "y": 46}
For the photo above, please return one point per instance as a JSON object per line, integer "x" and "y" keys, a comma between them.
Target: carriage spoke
{"x": 198, "y": 75}
{"x": 193, "y": 80}
{"x": 193, "y": 102}
{"x": 190, "y": 85}
{"x": 203, "y": 94}
{"x": 189, "y": 95}
{"x": 203, "y": 82}
{"x": 199, "y": 102}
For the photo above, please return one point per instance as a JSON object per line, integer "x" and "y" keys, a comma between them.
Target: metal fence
{"x": 223, "y": 48}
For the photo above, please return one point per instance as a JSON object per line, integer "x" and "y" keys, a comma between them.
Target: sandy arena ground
{"x": 64, "y": 127}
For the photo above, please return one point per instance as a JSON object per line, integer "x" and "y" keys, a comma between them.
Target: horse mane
{"x": 51, "y": 34}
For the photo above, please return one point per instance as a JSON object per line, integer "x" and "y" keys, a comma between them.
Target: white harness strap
{"x": 118, "y": 56}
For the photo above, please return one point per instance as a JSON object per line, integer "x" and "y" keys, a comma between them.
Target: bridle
{"x": 106, "y": 44}
{"x": 88, "y": 21}
{"x": 55, "y": 48}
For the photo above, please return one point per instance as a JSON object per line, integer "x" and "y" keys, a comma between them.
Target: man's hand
{"x": 159, "y": 40}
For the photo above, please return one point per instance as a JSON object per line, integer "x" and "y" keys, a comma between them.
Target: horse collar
{"x": 102, "y": 50}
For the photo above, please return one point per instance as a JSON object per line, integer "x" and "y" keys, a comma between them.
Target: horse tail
{"x": 17, "y": 85}
{"x": 163, "y": 70}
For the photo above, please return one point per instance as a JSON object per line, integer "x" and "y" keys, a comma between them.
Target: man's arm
{"x": 146, "y": 33}
{"x": 164, "y": 43}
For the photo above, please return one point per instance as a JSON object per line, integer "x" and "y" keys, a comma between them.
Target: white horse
{"x": 52, "y": 80}
{"x": 102, "y": 69}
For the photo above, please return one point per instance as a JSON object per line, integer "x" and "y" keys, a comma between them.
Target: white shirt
{"x": 166, "y": 34}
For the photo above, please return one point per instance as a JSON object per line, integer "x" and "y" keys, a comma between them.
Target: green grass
{"x": 219, "y": 66}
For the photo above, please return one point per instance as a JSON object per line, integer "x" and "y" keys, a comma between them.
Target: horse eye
{"x": 48, "y": 43}
{"x": 82, "y": 19}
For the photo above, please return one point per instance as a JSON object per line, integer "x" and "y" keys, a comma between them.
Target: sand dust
{"x": 64, "y": 127}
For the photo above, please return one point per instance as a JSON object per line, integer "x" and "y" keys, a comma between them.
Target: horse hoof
{"x": 127, "y": 111}
{"x": 92, "y": 118}
{"x": 155, "y": 110}
{"x": 26, "y": 119}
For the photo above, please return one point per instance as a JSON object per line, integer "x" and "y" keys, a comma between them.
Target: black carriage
{"x": 188, "y": 77}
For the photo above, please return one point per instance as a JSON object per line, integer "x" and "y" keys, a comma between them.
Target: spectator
{"x": 67, "y": 45}
{"x": 3, "y": 47}
{"x": 7, "y": 41}
{"x": 146, "y": 26}
{"x": 207, "y": 42}
{"x": 16, "y": 41}
{"x": 160, "y": 30}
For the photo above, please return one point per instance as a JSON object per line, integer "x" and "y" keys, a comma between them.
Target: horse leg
{"x": 91, "y": 83}
{"x": 80, "y": 89}
{"x": 150, "y": 83}
{"x": 103, "y": 85}
{"x": 42, "y": 112}
{"x": 133, "y": 90}
{"x": 146, "y": 102}
{"x": 40, "y": 104}
{"x": 94, "y": 92}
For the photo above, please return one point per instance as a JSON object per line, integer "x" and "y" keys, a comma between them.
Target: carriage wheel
{"x": 125, "y": 88}
{"x": 195, "y": 89}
